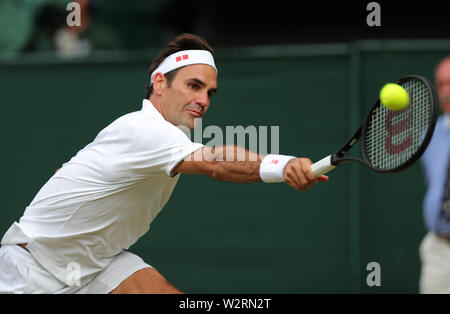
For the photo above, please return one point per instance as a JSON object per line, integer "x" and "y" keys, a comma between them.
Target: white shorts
{"x": 21, "y": 273}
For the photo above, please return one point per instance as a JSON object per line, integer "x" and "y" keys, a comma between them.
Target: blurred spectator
{"x": 40, "y": 25}
{"x": 16, "y": 24}
{"x": 435, "y": 248}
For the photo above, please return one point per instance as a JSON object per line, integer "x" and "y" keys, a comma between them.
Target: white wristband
{"x": 272, "y": 166}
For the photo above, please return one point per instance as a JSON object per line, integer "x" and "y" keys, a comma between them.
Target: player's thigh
{"x": 146, "y": 280}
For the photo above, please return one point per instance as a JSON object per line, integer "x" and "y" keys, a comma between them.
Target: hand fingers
{"x": 323, "y": 178}
{"x": 310, "y": 176}
{"x": 292, "y": 175}
{"x": 306, "y": 176}
{"x": 294, "y": 185}
{"x": 300, "y": 176}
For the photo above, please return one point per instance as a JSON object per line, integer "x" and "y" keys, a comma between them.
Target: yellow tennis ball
{"x": 394, "y": 97}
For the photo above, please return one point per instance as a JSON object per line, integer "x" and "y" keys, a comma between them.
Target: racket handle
{"x": 322, "y": 166}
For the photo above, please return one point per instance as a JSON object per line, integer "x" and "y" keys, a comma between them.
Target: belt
{"x": 445, "y": 237}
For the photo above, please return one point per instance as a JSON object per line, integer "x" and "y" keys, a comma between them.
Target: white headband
{"x": 182, "y": 58}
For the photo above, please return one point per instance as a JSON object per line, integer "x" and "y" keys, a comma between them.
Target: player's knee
{"x": 146, "y": 280}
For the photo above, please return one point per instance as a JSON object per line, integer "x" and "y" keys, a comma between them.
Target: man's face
{"x": 189, "y": 94}
{"x": 442, "y": 79}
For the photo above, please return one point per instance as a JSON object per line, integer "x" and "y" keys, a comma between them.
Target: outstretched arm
{"x": 238, "y": 165}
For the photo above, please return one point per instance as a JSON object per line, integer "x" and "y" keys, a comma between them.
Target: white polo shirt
{"x": 105, "y": 197}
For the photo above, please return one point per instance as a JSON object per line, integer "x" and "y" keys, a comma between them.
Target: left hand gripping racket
{"x": 391, "y": 141}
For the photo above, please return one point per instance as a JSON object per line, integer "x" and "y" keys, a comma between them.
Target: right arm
{"x": 226, "y": 163}
{"x": 238, "y": 165}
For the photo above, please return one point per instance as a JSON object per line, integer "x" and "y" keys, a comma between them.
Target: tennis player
{"x": 74, "y": 235}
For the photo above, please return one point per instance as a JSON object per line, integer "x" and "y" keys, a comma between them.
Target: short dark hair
{"x": 179, "y": 43}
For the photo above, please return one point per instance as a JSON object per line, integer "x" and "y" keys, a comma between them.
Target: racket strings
{"x": 393, "y": 137}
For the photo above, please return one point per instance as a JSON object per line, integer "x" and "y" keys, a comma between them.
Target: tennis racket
{"x": 391, "y": 141}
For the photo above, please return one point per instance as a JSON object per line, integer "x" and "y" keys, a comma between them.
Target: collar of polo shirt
{"x": 148, "y": 107}
{"x": 184, "y": 58}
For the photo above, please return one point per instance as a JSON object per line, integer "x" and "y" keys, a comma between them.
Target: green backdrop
{"x": 215, "y": 237}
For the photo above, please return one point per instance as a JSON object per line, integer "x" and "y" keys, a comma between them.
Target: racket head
{"x": 391, "y": 141}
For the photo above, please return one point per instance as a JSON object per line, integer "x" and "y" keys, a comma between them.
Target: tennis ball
{"x": 394, "y": 97}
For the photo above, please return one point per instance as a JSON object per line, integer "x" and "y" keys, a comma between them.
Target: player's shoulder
{"x": 140, "y": 125}
{"x": 132, "y": 120}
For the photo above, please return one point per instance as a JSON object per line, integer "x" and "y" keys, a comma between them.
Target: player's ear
{"x": 159, "y": 83}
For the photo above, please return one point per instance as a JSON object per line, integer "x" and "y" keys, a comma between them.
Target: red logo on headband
{"x": 185, "y": 57}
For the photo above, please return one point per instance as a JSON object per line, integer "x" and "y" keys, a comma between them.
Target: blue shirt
{"x": 434, "y": 162}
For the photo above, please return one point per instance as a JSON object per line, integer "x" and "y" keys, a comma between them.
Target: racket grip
{"x": 322, "y": 166}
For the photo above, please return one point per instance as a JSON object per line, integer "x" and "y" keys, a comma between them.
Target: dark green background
{"x": 216, "y": 237}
